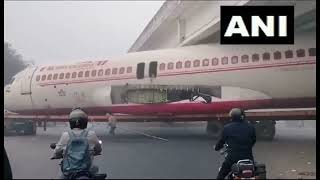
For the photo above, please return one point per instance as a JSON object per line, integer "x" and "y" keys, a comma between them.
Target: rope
{"x": 144, "y": 134}
{"x": 137, "y": 132}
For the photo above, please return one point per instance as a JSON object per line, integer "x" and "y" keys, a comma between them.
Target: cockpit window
{"x": 38, "y": 78}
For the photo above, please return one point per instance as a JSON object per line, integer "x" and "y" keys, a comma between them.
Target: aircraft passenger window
{"x": 266, "y": 56}
{"x": 277, "y": 55}
{"x": 80, "y": 74}
{"x": 301, "y": 53}
{"x": 55, "y": 76}
{"x": 312, "y": 51}
{"x": 244, "y": 58}
{"x": 107, "y": 72}
{"x": 38, "y": 78}
{"x": 288, "y": 54}
{"x": 234, "y": 59}
{"x": 43, "y": 77}
{"x": 129, "y": 69}
{"x": 162, "y": 66}
{"x": 114, "y": 70}
{"x": 255, "y": 57}
{"x": 61, "y": 75}
{"x": 49, "y": 77}
{"x": 100, "y": 72}
{"x": 67, "y": 75}
{"x": 87, "y": 74}
{"x": 187, "y": 64}
{"x": 215, "y": 61}
{"x": 224, "y": 60}
{"x": 153, "y": 66}
{"x": 205, "y": 62}
{"x": 196, "y": 63}
{"x": 93, "y": 73}
{"x": 140, "y": 70}
{"x": 179, "y": 65}
{"x": 170, "y": 65}
{"x": 74, "y": 75}
{"x": 121, "y": 70}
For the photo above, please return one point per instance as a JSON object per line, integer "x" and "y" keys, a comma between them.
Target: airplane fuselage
{"x": 281, "y": 72}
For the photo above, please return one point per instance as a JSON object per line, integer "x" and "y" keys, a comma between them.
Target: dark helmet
{"x": 237, "y": 114}
{"x": 78, "y": 118}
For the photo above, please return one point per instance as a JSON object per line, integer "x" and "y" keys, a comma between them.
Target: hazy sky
{"x": 68, "y": 31}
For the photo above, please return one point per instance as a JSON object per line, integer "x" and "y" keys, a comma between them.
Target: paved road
{"x": 187, "y": 153}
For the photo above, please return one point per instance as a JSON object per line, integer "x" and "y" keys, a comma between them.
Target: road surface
{"x": 183, "y": 152}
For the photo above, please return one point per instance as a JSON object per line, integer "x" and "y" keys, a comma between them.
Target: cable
{"x": 148, "y": 135}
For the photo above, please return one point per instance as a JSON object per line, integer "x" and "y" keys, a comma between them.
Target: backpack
{"x": 77, "y": 154}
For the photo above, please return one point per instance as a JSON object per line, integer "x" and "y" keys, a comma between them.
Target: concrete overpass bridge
{"x": 183, "y": 23}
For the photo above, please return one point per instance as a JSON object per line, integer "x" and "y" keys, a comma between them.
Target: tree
{"x": 13, "y": 62}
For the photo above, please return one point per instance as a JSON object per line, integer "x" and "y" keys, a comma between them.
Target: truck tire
{"x": 214, "y": 129}
{"x": 30, "y": 128}
{"x": 265, "y": 130}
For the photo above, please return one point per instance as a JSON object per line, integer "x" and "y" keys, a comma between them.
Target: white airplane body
{"x": 285, "y": 73}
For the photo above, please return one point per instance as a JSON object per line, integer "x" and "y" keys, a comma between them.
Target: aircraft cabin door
{"x": 147, "y": 71}
{"x": 153, "y": 69}
{"x": 140, "y": 70}
{"x": 26, "y": 83}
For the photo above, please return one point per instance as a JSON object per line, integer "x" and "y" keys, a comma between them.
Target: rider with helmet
{"x": 78, "y": 121}
{"x": 240, "y": 136}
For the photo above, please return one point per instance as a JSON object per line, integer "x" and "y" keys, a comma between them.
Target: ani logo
{"x": 257, "y": 25}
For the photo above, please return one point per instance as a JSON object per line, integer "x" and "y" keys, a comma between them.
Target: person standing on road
{"x": 112, "y": 121}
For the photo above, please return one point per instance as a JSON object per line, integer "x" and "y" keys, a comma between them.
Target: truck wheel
{"x": 265, "y": 130}
{"x": 30, "y": 128}
{"x": 20, "y": 132}
{"x": 214, "y": 129}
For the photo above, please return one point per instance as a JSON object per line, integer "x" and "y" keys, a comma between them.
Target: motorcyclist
{"x": 78, "y": 121}
{"x": 240, "y": 136}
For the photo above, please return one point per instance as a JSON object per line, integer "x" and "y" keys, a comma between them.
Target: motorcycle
{"x": 80, "y": 175}
{"x": 245, "y": 168}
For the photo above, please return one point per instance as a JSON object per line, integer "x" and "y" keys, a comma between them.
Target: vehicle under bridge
{"x": 263, "y": 119}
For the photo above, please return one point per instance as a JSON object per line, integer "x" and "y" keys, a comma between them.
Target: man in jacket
{"x": 240, "y": 136}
